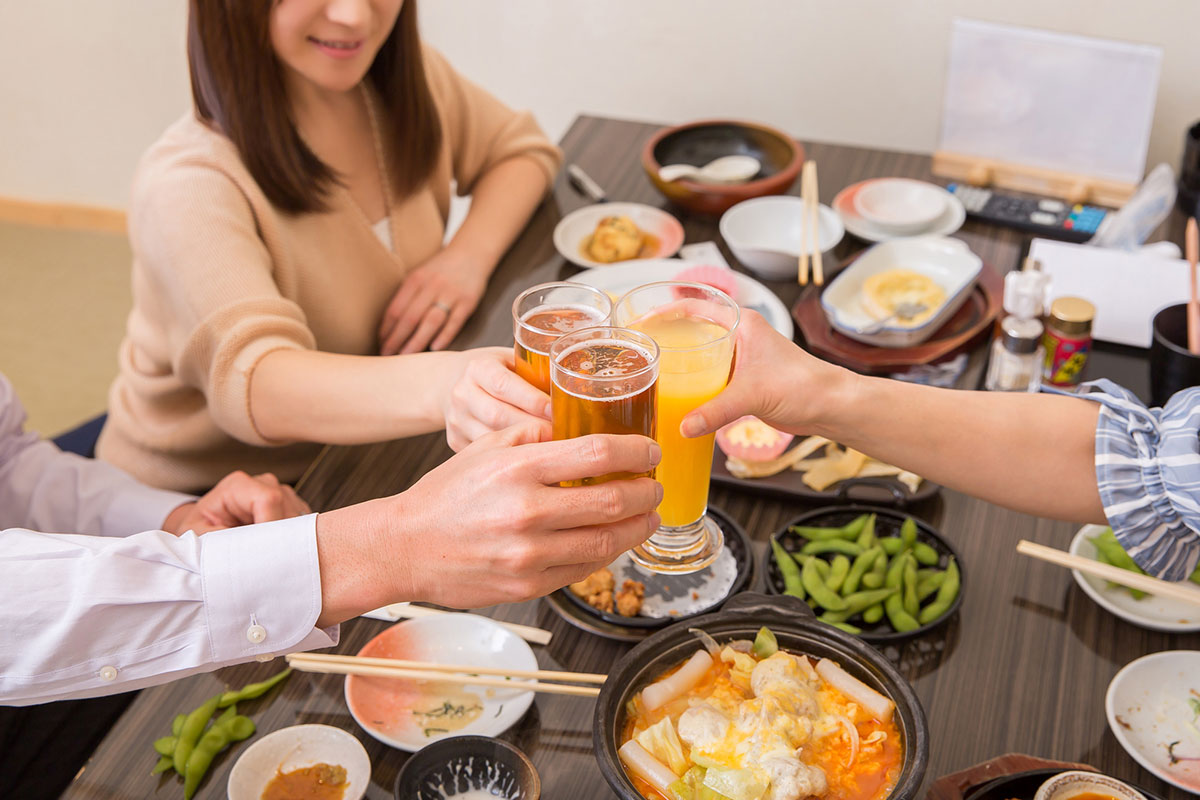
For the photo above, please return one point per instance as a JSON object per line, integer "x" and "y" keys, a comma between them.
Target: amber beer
{"x": 604, "y": 380}
{"x": 545, "y": 312}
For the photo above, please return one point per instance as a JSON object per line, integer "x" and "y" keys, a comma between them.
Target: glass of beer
{"x": 694, "y": 326}
{"x": 545, "y": 312}
{"x": 603, "y": 380}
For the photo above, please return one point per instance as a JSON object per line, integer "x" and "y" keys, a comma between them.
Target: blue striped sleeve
{"x": 1148, "y": 473}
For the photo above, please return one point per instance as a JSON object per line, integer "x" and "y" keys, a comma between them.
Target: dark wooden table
{"x": 1023, "y": 668}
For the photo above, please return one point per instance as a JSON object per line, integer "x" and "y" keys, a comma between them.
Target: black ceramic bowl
{"x": 698, "y": 143}
{"x": 887, "y": 523}
{"x": 462, "y": 763}
{"x": 797, "y": 631}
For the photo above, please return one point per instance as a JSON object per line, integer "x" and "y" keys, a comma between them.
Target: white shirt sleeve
{"x": 45, "y": 489}
{"x": 87, "y": 615}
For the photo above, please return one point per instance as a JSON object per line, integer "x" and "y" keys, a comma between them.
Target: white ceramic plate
{"x": 620, "y": 278}
{"x": 950, "y": 220}
{"x": 1147, "y": 707}
{"x": 294, "y": 748}
{"x": 948, "y": 262}
{"x": 1156, "y": 613}
{"x": 575, "y": 228}
{"x": 900, "y": 205}
{"x": 410, "y": 714}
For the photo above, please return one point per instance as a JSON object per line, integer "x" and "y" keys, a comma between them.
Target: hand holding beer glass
{"x": 694, "y": 326}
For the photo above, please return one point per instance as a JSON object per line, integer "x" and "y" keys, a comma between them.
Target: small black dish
{"x": 887, "y": 523}
{"x": 1024, "y": 785}
{"x": 798, "y": 632}
{"x": 790, "y": 485}
{"x": 574, "y": 610}
{"x": 462, "y": 763}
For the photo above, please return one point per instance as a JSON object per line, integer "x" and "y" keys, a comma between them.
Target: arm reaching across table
{"x": 1046, "y": 454}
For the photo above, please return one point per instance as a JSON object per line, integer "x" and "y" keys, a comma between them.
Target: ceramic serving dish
{"x": 478, "y": 764}
{"x": 766, "y": 235}
{"x": 574, "y": 231}
{"x": 1073, "y": 783}
{"x": 948, "y": 262}
{"x": 797, "y": 631}
{"x": 297, "y": 747}
{"x": 698, "y": 143}
{"x": 900, "y": 205}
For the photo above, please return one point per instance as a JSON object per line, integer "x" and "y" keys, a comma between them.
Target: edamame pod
{"x": 190, "y": 732}
{"x": 164, "y": 763}
{"x": 873, "y": 614}
{"x": 891, "y": 545}
{"x": 839, "y": 568}
{"x": 909, "y": 584}
{"x": 177, "y": 724}
{"x": 901, "y": 620}
{"x": 789, "y": 570}
{"x": 253, "y": 690}
{"x": 166, "y": 745}
{"x": 925, "y": 554}
{"x": 945, "y": 596}
{"x": 908, "y": 532}
{"x": 929, "y": 585}
{"x": 832, "y": 546}
{"x": 847, "y": 627}
{"x": 859, "y": 568}
{"x": 872, "y": 580}
{"x": 814, "y": 584}
{"x": 861, "y": 601}
{"x": 866, "y": 539}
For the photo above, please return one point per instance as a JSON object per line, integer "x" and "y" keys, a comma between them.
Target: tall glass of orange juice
{"x": 603, "y": 380}
{"x": 694, "y": 326}
{"x": 545, "y": 312}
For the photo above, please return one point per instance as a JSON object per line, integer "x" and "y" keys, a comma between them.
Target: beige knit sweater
{"x": 221, "y": 278}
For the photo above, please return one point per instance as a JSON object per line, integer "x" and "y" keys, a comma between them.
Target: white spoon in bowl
{"x": 726, "y": 169}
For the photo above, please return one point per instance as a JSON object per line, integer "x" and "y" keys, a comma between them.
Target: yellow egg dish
{"x": 883, "y": 292}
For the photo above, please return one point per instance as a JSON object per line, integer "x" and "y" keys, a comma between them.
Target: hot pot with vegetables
{"x": 760, "y": 701}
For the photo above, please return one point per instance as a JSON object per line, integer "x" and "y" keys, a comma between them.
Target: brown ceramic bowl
{"x": 698, "y": 143}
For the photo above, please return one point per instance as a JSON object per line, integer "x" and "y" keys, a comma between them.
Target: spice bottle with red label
{"x": 1067, "y": 341}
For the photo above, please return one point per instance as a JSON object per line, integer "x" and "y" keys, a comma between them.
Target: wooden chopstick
{"x": 1193, "y": 307}
{"x": 1133, "y": 580}
{"x": 431, "y": 666}
{"x": 297, "y": 661}
{"x": 804, "y": 233}
{"x": 529, "y": 634}
{"x": 815, "y": 226}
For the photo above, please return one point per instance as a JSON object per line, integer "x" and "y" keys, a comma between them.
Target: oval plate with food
{"x": 666, "y": 598}
{"x": 1155, "y": 613}
{"x": 300, "y": 747}
{"x": 654, "y": 234}
{"x": 409, "y": 714}
{"x": 888, "y": 522}
{"x": 1153, "y": 708}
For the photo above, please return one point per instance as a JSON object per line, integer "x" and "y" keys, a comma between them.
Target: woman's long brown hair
{"x": 238, "y": 87}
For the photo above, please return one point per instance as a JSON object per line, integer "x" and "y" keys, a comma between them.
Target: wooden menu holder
{"x": 1072, "y": 187}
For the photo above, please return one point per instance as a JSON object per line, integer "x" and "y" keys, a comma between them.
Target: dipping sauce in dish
{"x": 1092, "y": 796}
{"x": 315, "y": 782}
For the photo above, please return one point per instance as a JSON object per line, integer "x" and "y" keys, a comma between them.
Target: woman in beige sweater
{"x": 291, "y": 228}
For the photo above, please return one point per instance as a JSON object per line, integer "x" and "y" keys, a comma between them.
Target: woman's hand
{"x": 432, "y": 304}
{"x": 238, "y": 499}
{"x": 774, "y": 380}
{"x": 489, "y": 397}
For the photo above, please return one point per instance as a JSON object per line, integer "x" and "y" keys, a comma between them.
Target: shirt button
{"x": 256, "y": 634}
{"x": 108, "y": 673}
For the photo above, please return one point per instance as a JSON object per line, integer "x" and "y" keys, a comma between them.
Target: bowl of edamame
{"x": 875, "y": 572}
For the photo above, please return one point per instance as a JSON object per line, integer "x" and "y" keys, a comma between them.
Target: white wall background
{"x": 86, "y": 86}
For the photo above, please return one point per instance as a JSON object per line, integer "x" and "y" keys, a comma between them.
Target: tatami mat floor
{"x": 64, "y": 296}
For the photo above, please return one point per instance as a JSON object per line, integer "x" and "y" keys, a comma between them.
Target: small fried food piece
{"x": 629, "y": 599}
{"x": 596, "y": 589}
{"x": 615, "y": 239}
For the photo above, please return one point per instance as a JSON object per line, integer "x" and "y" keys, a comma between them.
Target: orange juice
{"x": 696, "y": 355}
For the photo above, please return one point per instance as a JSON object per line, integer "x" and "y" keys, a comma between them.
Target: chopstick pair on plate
{"x": 810, "y": 228}
{"x": 1133, "y": 580}
{"x": 537, "y": 680}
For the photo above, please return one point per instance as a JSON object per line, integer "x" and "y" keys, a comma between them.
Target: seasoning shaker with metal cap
{"x": 1067, "y": 341}
{"x": 1016, "y": 359}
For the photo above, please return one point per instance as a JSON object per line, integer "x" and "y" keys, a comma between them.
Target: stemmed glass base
{"x": 679, "y": 551}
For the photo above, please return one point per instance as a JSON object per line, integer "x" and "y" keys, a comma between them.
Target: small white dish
{"x": 295, "y": 748}
{"x": 948, "y": 262}
{"x": 575, "y": 229}
{"x": 389, "y": 709}
{"x": 1153, "y": 612}
{"x": 620, "y": 278}
{"x": 900, "y": 205}
{"x": 766, "y": 235}
{"x": 1148, "y": 708}
{"x": 1072, "y": 783}
{"x": 951, "y": 219}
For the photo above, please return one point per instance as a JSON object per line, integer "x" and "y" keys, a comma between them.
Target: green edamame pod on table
{"x": 929, "y": 585}
{"x": 925, "y": 554}
{"x": 191, "y": 731}
{"x": 177, "y": 724}
{"x": 908, "y": 532}
{"x": 166, "y": 745}
{"x": 240, "y": 728}
{"x": 945, "y": 596}
{"x": 859, "y": 568}
{"x": 831, "y": 546}
{"x": 164, "y": 763}
{"x": 891, "y": 545}
{"x": 789, "y": 570}
{"x": 252, "y": 690}
{"x": 839, "y": 568}
{"x": 873, "y": 614}
{"x": 909, "y": 584}
{"x": 814, "y": 584}
{"x": 866, "y": 539}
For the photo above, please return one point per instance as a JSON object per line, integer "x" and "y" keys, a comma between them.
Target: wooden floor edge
{"x": 62, "y": 215}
